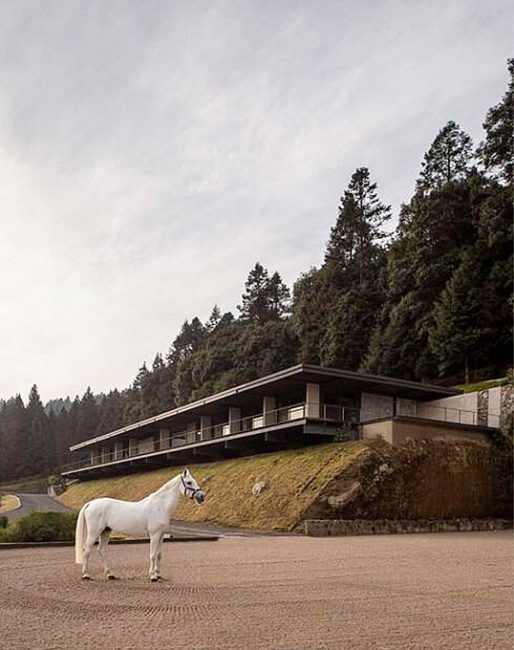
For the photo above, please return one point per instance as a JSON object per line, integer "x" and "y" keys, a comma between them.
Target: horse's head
{"x": 190, "y": 487}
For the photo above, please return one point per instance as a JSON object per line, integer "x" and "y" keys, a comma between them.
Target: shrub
{"x": 346, "y": 432}
{"x": 3, "y": 521}
{"x": 41, "y": 527}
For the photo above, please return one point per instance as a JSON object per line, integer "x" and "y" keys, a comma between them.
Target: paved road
{"x": 32, "y": 502}
{"x": 42, "y": 502}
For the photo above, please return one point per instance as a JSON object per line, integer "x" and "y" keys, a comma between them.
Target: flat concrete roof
{"x": 288, "y": 380}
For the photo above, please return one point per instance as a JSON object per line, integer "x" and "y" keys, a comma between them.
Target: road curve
{"x": 43, "y": 503}
{"x": 35, "y": 502}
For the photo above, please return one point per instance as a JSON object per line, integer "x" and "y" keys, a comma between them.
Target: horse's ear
{"x": 185, "y": 472}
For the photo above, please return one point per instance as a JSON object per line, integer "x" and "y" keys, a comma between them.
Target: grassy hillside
{"x": 483, "y": 385}
{"x": 356, "y": 480}
{"x": 293, "y": 480}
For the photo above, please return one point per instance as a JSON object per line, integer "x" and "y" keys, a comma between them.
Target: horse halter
{"x": 190, "y": 488}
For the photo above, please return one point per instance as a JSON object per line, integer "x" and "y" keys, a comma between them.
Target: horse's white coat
{"x": 151, "y": 516}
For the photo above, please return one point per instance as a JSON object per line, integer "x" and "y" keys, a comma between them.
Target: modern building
{"x": 298, "y": 406}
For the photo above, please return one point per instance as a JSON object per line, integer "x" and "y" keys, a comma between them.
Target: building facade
{"x": 298, "y": 406}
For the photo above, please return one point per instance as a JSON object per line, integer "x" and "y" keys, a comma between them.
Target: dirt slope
{"x": 370, "y": 480}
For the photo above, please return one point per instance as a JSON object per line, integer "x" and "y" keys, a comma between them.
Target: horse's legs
{"x": 102, "y": 549}
{"x": 155, "y": 549}
{"x": 88, "y": 547}
{"x": 159, "y": 554}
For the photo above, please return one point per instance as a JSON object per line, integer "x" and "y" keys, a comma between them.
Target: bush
{"x": 3, "y": 521}
{"x": 41, "y": 527}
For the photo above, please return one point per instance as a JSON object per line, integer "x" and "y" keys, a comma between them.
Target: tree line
{"x": 432, "y": 301}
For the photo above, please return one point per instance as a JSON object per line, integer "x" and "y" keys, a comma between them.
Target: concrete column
{"x": 205, "y": 427}
{"x": 118, "y": 450}
{"x": 494, "y": 407}
{"x": 191, "y": 432}
{"x": 133, "y": 447}
{"x": 269, "y": 405}
{"x": 312, "y": 401}
{"x": 234, "y": 419}
{"x": 164, "y": 439}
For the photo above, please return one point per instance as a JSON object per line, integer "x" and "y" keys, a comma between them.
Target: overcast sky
{"x": 152, "y": 151}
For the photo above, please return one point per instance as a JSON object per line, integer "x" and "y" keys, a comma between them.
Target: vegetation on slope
{"x": 40, "y": 527}
{"x": 355, "y": 480}
{"x": 293, "y": 479}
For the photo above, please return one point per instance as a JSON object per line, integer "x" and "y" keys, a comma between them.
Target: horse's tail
{"x": 80, "y": 534}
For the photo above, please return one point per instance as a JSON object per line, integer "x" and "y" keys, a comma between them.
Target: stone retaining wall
{"x": 327, "y": 527}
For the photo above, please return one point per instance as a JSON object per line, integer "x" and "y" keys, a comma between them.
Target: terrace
{"x": 295, "y": 407}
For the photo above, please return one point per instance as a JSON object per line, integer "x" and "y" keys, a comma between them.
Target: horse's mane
{"x": 164, "y": 488}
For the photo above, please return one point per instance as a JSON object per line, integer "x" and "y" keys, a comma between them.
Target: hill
{"x": 369, "y": 480}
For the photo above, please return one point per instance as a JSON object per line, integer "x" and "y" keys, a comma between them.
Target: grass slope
{"x": 293, "y": 480}
{"x": 8, "y": 502}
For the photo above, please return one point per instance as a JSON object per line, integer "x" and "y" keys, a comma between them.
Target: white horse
{"x": 151, "y": 516}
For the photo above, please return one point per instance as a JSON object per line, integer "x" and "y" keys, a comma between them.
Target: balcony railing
{"x": 446, "y": 414}
{"x": 325, "y": 412}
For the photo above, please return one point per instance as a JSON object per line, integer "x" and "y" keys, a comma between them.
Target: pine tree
{"x": 437, "y": 225}
{"x": 13, "y": 425}
{"x": 111, "y": 412}
{"x": 459, "y": 322}
{"x": 279, "y": 298}
{"x": 40, "y": 449}
{"x": 265, "y": 298}
{"x": 354, "y": 261}
{"x": 190, "y": 338}
{"x": 448, "y": 158}
{"x": 497, "y": 151}
{"x": 88, "y": 416}
{"x": 214, "y": 319}
{"x": 315, "y": 292}
{"x": 354, "y": 242}
{"x": 63, "y": 436}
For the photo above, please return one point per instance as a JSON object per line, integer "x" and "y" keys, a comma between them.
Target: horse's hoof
{"x": 111, "y": 577}
{"x": 154, "y": 579}
{"x": 86, "y": 577}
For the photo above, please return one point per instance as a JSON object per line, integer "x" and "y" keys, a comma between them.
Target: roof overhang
{"x": 287, "y": 380}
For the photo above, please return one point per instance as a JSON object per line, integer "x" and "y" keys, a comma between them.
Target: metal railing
{"x": 446, "y": 414}
{"x": 276, "y": 417}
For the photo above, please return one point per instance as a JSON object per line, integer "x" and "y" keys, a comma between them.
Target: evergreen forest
{"x": 432, "y": 301}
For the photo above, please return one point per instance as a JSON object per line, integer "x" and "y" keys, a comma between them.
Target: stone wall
{"x": 327, "y": 527}
{"x": 507, "y": 410}
{"x": 400, "y": 430}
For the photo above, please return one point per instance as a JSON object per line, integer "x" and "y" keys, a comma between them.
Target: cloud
{"x": 151, "y": 153}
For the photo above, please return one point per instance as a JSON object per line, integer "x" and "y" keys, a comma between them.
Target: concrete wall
{"x": 492, "y": 407}
{"x": 401, "y": 430}
{"x": 459, "y": 408}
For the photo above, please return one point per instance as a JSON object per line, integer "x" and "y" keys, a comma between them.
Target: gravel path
{"x": 414, "y": 592}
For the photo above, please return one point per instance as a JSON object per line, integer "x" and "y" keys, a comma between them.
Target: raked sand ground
{"x": 414, "y": 592}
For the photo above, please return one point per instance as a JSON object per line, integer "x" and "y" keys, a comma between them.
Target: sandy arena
{"x": 361, "y": 593}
